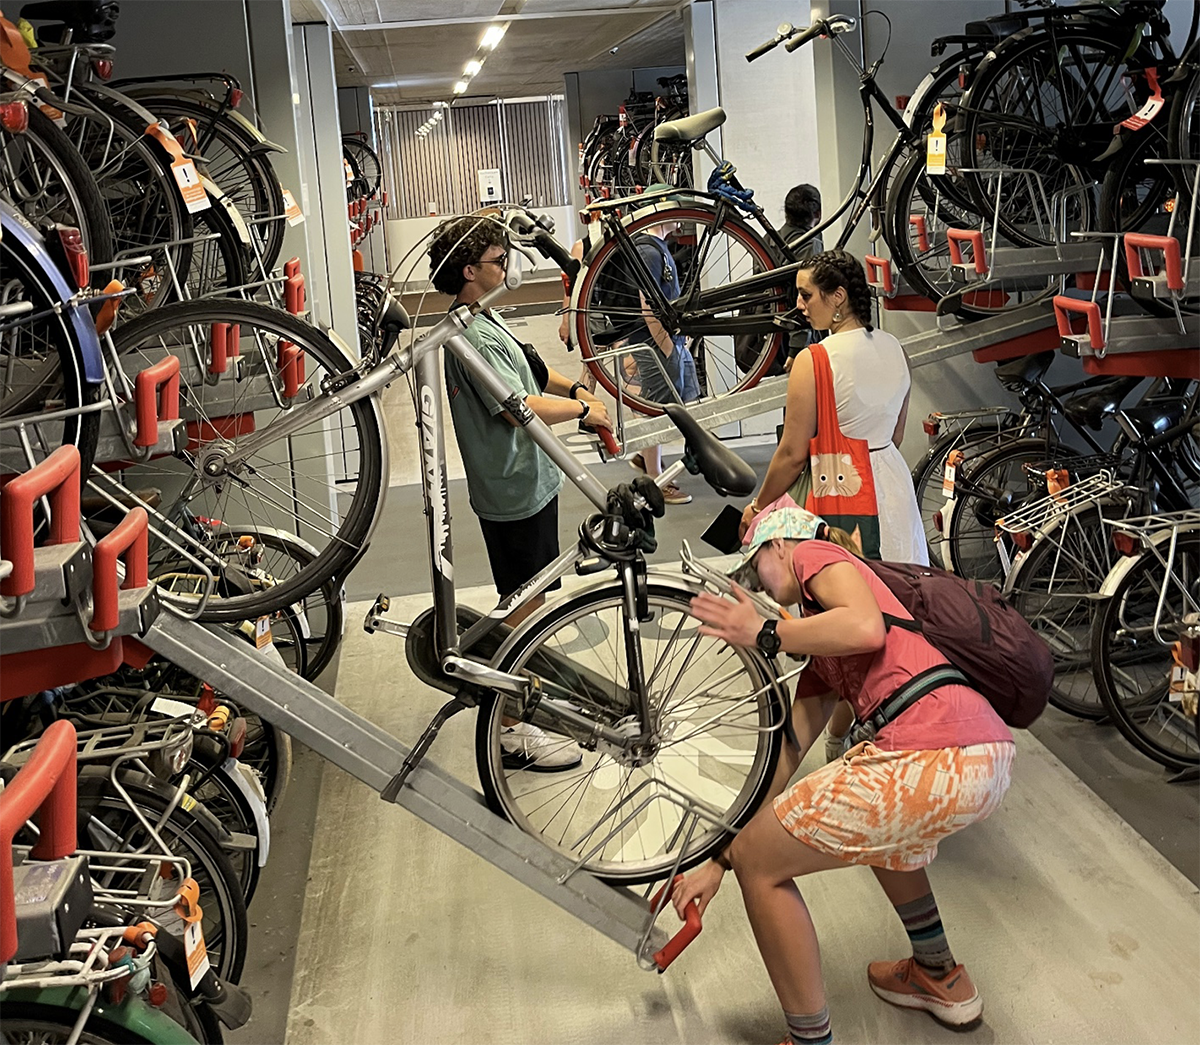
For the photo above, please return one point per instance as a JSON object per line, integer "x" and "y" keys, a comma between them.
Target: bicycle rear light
{"x": 931, "y": 425}
{"x": 1126, "y": 543}
{"x": 938, "y": 520}
{"x": 73, "y": 254}
{"x": 103, "y": 68}
{"x": 1189, "y": 648}
{"x": 235, "y": 97}
{"x": 237, "y": 737}
{"x": 1023, "y": 539}
{"x": 14, "y": 117}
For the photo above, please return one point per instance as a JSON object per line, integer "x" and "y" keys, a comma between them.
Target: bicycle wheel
{"x": 41, "y": 367}
{"x": 319, "y": 615}
{"x": 988, "y": 488}
{"x": 919, "y": 214}
{"x": 733, "y": 345}
{"x": 1054, "y": 586}
{"x": 1131, "y": 657}
{"x": 1183, "y": 136}
{"x": 237, "y": 163}
{"x": 44, "y": 176}
{"x": 190, "y": 832}
{"x": 324, "y": 483}
{"x": 143, "y": 202}
{"x": 366, "y": 161}
{"x": 1046, "y": 103}
{"x": 714, "y": 709}
{"x": 33, "y": 1022}
{"x": 219, "y": 265}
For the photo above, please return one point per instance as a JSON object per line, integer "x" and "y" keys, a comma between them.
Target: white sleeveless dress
{"x": 870, "y": 381}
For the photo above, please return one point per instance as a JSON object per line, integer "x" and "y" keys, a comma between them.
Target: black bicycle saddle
{"x": 724, "y": 471}
{"x": 1090, "y": 409}
{"x": 1156, "y": 416}
{"x": 91, "y": 21}
{"x": 1025, "y": 370}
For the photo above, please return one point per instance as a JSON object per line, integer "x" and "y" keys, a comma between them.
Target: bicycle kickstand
{"x": 446, "y": 711}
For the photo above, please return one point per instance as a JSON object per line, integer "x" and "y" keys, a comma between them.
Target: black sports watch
{"x": 768, "y": 642}
{"x": 576, "y": 388}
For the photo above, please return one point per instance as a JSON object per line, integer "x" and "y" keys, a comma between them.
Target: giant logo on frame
{"x": 435, "y": 483}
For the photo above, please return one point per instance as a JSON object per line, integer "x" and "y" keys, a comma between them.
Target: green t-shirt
{"x": 509, "y": 476}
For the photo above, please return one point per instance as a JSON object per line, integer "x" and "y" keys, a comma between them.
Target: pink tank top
{"x": 951, "y": 716}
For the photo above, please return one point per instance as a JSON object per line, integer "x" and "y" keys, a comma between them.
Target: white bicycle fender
{"x": 1126, "y": 563}
{"x": 243, "y": 778}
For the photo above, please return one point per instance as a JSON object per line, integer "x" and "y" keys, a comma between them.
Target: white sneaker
{"x": 526, "y": 747}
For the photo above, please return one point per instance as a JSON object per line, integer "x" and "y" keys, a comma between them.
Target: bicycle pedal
{"x": 376, "y": 621}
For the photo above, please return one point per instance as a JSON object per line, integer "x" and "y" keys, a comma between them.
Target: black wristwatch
{"x": 575, "y": 388}
{"x": 768, "y": 642}
{"x": 587, "y": 408}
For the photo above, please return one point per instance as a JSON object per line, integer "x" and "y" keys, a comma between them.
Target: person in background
{"x": 802, "y": 212}
{"x": 872, "y": 385}
{"x": 943, "y": 763}
{"x": 513, "y": 484}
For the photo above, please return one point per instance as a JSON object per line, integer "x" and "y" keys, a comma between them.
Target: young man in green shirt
{"x": 513, "y": 484}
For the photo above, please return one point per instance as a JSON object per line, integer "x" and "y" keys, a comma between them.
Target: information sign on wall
{"x": 489, "y": 186}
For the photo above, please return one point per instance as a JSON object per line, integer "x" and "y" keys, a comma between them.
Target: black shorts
{"x": 521, "y": 549}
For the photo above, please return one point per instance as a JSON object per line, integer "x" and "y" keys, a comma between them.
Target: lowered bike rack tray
{"x": 373, "y": 756}
{"x": 1020, "y": 332}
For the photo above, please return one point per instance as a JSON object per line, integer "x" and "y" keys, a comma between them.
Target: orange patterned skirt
{"x": 891, "y": 808}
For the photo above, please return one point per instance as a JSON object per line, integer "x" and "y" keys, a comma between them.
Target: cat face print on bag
{"x": 834, "y": 475}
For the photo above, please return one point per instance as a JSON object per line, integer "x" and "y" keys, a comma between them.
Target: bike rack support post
{"x": 369, "y": 754}
{"x": 156, "y": 392}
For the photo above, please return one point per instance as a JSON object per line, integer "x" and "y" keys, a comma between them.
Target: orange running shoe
{"x": 952, "y": 1000}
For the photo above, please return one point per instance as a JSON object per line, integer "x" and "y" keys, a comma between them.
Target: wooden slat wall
{"x": 522, "y": 139}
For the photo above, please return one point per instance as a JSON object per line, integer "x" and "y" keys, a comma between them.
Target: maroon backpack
{"x": 978, "y": 632}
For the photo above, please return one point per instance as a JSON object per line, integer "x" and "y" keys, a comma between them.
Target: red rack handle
{"x": 882, "y": 267}
{"x": 955, "y": 238}
{"x": 130, "y": 539}
{"x": 692, "y": 927}
{"x": 610, "y": 441}
{"x": 218, "y": 340}
{"x": 1172, "y": 261}
{"x": 291, "y": 368}
{"x": 917, "y": 221}
{"x": 293, "y": 294}
{"x": 291, "y": 268}
{"x": 233, "y": 341}
{"x": 1064, "y": 305}
{"x": 156, "y": 394}
{"x": 45, "y": 782}
{"x": 56, "y": 476}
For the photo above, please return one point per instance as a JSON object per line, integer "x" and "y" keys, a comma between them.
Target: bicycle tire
{"x": 40, "y": 361}
{"x": 1183, "y": 135}
{"x": 367, "y": 162}
{"x": 747, "y": 256}
{"x": 998, "y": 137}
{"x": 32, "y": 1022}
{"x": 1123, "y": 641}
{"x": 994, "y": 472}
{"x": 1071, "y": 556}
{"x": 737, "y": 793}
{"x": 228, "y": 805}
{"x": 105, "y": 817}
{"x": 80, "y": 203}
{"x": 922, "y": 251}
{"x": 349, "y": 443}
{"x": 221, "y": 265}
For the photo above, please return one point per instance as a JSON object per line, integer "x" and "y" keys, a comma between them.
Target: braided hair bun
{"x": 837, "y": 268}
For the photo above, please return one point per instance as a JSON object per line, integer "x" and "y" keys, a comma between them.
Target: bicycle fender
{"x": 1126, "y": 563}
{"x": 218, "y": 198}
{"x": 240, "y": 777}
{"x": 14, "y": 224}
{"x": 144, "y": 1022}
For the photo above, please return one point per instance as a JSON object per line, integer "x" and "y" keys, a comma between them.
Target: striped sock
{"x": 924, "y": 927}
{"x": 810, "y": 1028}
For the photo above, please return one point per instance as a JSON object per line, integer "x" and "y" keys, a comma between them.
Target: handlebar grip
{"x": 813, "y": 31}
{"x": 692, "y": 926}
{"x": 762, "y": 49}
{"x": 551, "y": 249}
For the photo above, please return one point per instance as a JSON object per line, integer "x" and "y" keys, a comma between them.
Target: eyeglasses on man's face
{"x": 501, "y": 260}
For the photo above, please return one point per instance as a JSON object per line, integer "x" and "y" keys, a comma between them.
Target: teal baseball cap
{"x": 781, "y": 519}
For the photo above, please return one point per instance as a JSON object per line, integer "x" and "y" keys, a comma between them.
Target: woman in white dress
{"x": 871, "y": 384}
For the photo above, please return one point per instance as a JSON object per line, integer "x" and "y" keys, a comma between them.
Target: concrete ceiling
{"x": 415, "y": 50}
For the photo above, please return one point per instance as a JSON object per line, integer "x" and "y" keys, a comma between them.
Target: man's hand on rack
{"x": 701, "y": 886}
{"x": 597, "y": 412}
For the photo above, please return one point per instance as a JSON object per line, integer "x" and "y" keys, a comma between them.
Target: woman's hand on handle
{"x": 748, "y": 514}
{"x": 699, "y": 886}
{"x": 737, "y": 622}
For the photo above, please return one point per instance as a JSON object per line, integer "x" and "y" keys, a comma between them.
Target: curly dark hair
{"x": 457, "y": 243}
{"x": 838, "y": 268}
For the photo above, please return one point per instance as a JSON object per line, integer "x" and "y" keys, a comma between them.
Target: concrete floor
{"x": 1075, "y": 907}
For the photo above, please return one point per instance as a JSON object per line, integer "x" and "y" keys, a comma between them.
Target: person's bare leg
{"x": 766, "y": 858}
{"x": 903, "y": 886}
{"x": 841, "y": 720}
{"x": 652, "y": 457}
